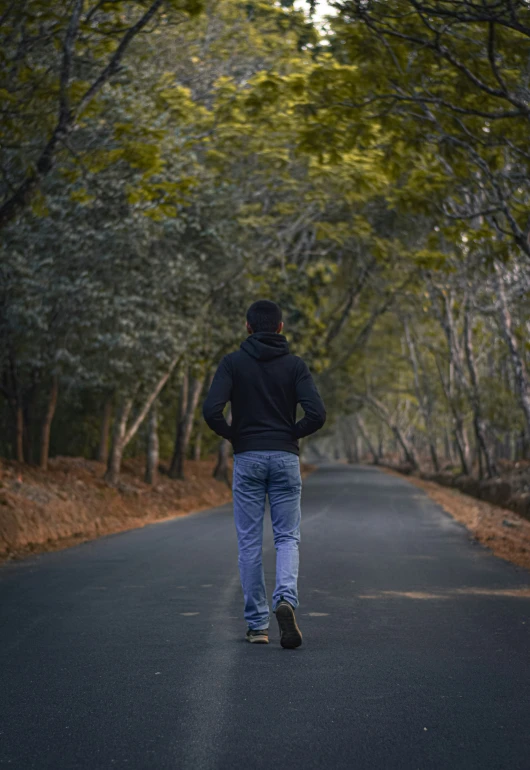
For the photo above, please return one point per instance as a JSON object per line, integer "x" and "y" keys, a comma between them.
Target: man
{"x": 264, "y": 383}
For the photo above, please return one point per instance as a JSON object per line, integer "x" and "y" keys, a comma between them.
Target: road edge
{"x": 503, "y": 532}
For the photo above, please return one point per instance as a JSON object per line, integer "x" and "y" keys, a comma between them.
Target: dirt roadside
{"x": 71, "y": 503}
{"x": 504, "y": 532}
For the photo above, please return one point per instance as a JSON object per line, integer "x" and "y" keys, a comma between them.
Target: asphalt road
{"x": 129, "y": 652}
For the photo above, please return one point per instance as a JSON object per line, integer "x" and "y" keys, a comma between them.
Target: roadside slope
{"x": 71, "y": 503}
{"x": 503, "y": 531}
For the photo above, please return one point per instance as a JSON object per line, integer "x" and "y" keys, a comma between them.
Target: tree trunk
{"x": 351, "y": 443}
{"x": 221, "y": 469}
{"x": 121, "y": 434}
{"x": 190, "y": 392}
{"x": 447, "y": 323}
{"x": 409, "y": 454}
{"x": 380, "y": 442}
{"x": 522, "y": 447}
{"x": 103, "y": 449}
{"x": 47, "y": 424}
{"x": 462, "y": 444}
{"x": 29, "y": 406}
{"x": 519, "y": 370}
{"x": 479, "y": 424}
{"x": 148, "y": 403}
{"x": 364, "y": 433}
{"x": 197, "y": 449}
{"x": 358, "y": 447}
{"x": 16, "y": 402}
{"x": 434, "y": 453}
{"x": 423, "y": 402}
{"x": 118, "y": 441}
{"x": 406, "y": 446}
{"x": 19, "y": 433}
{"x": 458, "y": 427}
{"x": 151, "y": 467}
{"x": 198, "y": 443}
{"x": 181, "y": 416}
{"x": 448, "y": 449}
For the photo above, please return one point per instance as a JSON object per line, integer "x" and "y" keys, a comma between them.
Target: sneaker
{"x": 258, "y": 636}
{"x": 290, "y": 634}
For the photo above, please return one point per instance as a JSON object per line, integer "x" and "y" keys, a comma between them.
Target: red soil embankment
{"x": 70, "y": 503}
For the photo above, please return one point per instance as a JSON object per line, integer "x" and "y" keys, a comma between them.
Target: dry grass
{"x": 501, "y": 530}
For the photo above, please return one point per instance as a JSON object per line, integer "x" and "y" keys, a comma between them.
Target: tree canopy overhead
{"x": 165, "y": 163}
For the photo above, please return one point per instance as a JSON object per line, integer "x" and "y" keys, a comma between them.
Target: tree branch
{"x": 150, "y": 401}
{"x": 67, "y": 116}
{"x": 117, "y": 56}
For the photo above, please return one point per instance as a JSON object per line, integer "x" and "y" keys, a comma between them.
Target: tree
{"x": 58, "y": 61}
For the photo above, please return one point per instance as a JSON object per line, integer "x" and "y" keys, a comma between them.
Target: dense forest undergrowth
{"x": 164, "y": 163}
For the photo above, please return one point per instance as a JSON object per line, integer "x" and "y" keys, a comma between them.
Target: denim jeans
{"x": 257, "y": 474}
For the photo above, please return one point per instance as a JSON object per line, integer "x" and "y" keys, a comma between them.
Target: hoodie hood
{"x": 265, "y": 345}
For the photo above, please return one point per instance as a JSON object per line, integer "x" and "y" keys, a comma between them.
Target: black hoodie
{"x": 264, "y": 383}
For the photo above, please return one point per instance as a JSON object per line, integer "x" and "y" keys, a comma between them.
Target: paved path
{"x": 128, "y": 652}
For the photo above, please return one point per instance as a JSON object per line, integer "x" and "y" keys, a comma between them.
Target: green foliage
{"x": 369, "y": 182}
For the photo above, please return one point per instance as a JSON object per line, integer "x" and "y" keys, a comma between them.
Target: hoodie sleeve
{"x": 308, "y": 397}
{"x": 218, "y": 396}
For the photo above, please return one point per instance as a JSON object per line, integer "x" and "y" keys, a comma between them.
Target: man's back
{"x": 264, "y": 383}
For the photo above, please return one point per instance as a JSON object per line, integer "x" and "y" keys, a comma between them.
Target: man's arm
{"x": 308, "y": 396}
{"x": 218, "y": 396}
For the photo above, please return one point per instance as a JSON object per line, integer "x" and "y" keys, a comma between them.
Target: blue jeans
{"x": 257, "y": 474}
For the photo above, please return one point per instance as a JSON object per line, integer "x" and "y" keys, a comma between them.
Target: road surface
{"x": 128, "y": 651}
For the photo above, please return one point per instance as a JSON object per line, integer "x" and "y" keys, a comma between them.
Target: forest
{"x": 164, "y": 163}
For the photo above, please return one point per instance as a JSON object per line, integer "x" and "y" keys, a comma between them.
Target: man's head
{"x": 264, "y": 316}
